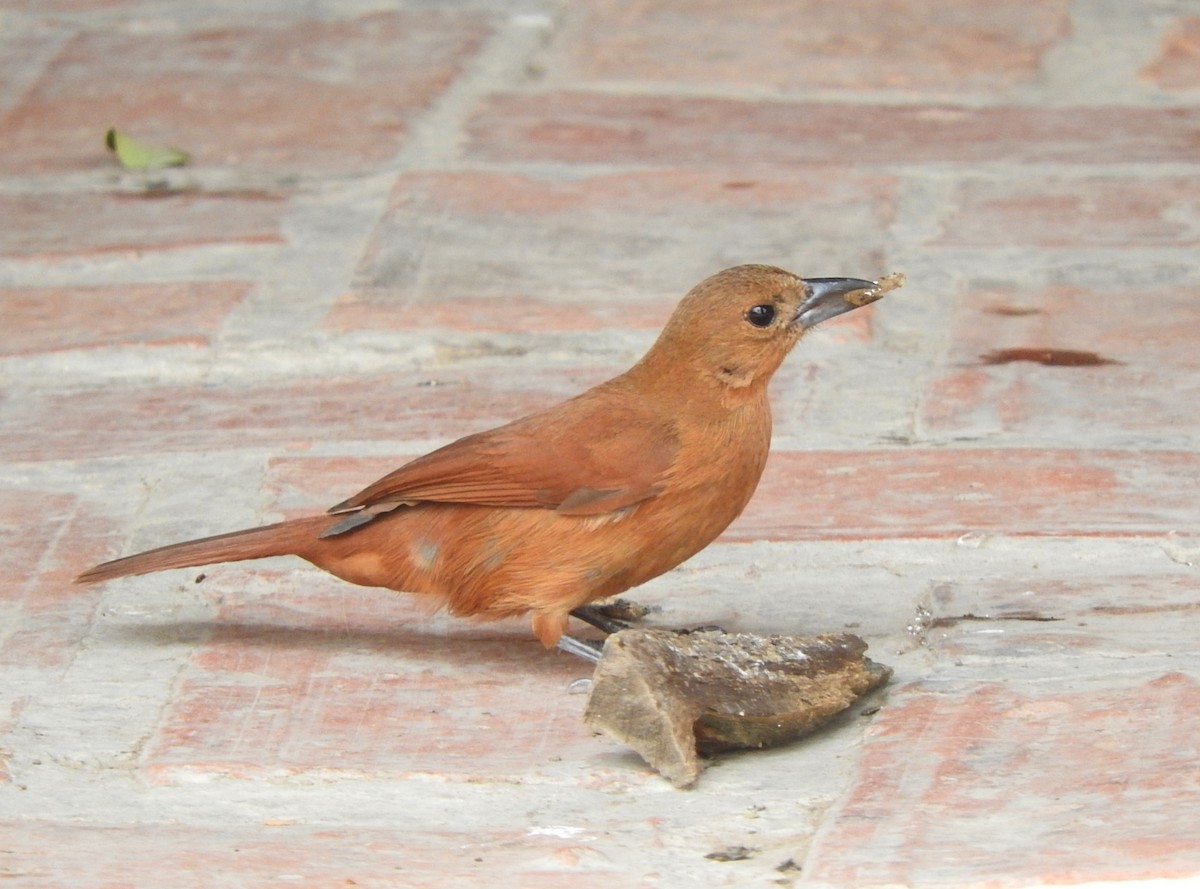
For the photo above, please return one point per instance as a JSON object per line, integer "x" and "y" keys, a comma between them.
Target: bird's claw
{"x": 703, "y": 628}
{"x": 595, "y": 616}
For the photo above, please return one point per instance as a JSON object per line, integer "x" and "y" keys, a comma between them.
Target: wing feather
{"x": 588, "y": 456}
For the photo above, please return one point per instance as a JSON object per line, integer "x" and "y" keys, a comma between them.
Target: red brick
{"x": 22, "y": 61}
{"x": 942, "y": 45}
{"x": 1040, "y": 614}
{"x": 283, "y": 416}
{"x": 511, "y": 252}
{"x": 46, "y": 616}
{"x": 30, "y": 554}
{"x": 945, "y": 493}
{"x": 8, "y": 721}
{"x": 295, "y": 94}
{"x": 1091, "y": 211}
{"x": 295, "y": 852}
{"x": 1002, "y": 786}
{"x": 1146, "y": 330}
{"x": 638, "y": 129}
{"x": 338, "y": 678}
{"x": 39, "y": 319}
{"x": 57, "y": 225}
{"x": 1178, "y": 64}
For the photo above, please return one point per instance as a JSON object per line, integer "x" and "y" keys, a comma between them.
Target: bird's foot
{"x": 703, "y": 628}
{"x": 619, "y": 614}
{"x": 612, "y": 616}
{"x": 608, "y": 618}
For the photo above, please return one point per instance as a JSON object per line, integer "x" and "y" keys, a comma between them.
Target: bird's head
{"x": 736, "y": 327}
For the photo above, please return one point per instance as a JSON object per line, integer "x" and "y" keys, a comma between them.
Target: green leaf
{"x": 135, "y": 155}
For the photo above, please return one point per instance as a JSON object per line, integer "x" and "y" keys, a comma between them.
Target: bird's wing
{"x": 578, "y": 459}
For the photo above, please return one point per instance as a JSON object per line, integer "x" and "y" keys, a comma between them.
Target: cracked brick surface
{"x": 404, "y": 225}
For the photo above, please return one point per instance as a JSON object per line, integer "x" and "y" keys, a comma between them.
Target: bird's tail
{"x": 284, "y": 538}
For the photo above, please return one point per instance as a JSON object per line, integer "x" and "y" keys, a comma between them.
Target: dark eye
{"x": 761, "y": 316}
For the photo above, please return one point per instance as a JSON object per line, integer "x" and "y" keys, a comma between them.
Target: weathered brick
{"x": 1147, "y": 389}
{"x": 286, "y": 850}
{"x": 298, "y": 94}
{"x": 957, "y": 786}
{"x": 598, "y": 128}
{"x": 58, "y": 225}
{"x": 1089, "y": 211}
{"x": 38, "y": 319}
{"x": 282, "y": 416}
{"x": 505, "y": 251}
{"x": 942, "y": 493}
{"x": 46, "y": 617}
{"x": 1177, "y": 66}
{"x": 7, "y": 721}
{"x": 795, "y": 47}
{"x": 24, "y": 55}
{"x": 334, "y": 677}
{"x": 31, "y": 554}
{"x": 1040, "y": 616}
{"x": 274, "y": 726}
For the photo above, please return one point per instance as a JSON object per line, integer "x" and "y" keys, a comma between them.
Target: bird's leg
{"x": 579, "y": 647}
{"x": 599, "y": 617}
{"x": 596, "y": 616}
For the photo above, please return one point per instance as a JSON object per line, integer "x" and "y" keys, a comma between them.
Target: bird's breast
{"x": 708, "y": 487}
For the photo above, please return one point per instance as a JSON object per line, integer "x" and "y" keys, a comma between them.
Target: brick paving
{"x": 410, "y": 221}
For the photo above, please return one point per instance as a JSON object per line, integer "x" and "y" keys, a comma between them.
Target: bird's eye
{"x": 761, "y": 316}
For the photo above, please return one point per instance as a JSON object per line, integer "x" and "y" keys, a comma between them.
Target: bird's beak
{"x": 829, "y": 297}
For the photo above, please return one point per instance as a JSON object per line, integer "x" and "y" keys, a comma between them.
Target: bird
{"x": 580, "y": 501}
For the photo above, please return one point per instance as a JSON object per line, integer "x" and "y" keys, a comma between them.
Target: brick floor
{"x": 980, "y": 771}
{"x": 407, "y": 225}
{"x": 597, "y": 128}
{"x": 59, "y": 226}
{"x": 333, "y": 95}
{"x": 1177, "y": 67}
{"x": 468, "y": 233}
{"x": 275, "y": 688}
{"x": 46, "y": 319}
{"x": 793, "y": 47}
{"x": 1145, "y": 390}
{"x": 1099, "y": 211}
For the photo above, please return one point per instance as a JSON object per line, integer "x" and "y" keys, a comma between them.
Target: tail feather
{"x": 284, "y": 538}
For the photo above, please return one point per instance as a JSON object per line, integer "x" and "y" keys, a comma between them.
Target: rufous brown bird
{"x": 580, "y": 501}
